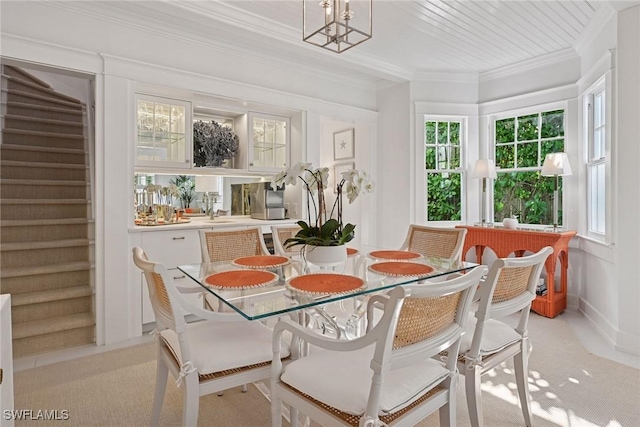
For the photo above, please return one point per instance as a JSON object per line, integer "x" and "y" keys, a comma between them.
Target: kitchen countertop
{"x": 218, "y": 222}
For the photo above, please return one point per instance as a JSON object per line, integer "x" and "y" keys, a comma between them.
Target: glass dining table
{"x": 266, "y": 286}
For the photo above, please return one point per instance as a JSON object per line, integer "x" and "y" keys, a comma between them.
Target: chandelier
{"x": 336, "y": 25}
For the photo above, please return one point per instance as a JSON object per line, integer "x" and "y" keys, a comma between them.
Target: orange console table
{"x": 504, "y": 242}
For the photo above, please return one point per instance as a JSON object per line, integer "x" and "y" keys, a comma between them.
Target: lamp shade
{"x": 208, "y": 183}
{"x": 484, "y": 168}
{"x": 556, "y": 164}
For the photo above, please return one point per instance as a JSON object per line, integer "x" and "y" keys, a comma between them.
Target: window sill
{"x": 597, "y": 248}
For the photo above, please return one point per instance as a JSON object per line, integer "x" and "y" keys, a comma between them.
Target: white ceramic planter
{"x": 510, "y": 223}
{"x": 325, "y": 256}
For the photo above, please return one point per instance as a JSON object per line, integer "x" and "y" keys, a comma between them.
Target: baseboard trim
{"x": 619, "y": 340}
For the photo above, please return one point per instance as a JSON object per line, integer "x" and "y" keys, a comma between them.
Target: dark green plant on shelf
{"x": 213, "y": 143}
{"x": 186, "y": 189}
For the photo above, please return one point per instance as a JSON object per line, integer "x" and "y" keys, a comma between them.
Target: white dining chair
{"x": 443, "y": 242}
{"x": 222, "y": 351}
{"x": 386, "y": 377}
{"x": 510, "y": 287}
{"x": 279, "y": 234}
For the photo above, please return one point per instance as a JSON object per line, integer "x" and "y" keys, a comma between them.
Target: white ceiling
{"x": 410, "y": 36}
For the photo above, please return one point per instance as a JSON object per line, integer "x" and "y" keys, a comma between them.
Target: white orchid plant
{"x": 323, "y": 230}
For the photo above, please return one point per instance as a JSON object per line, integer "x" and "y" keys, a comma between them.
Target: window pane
{"x": 552, "y": 124}
{"x": 505, "y": 131}
{"x": 454, "y": 131}
{"x": 528, "y": 155}
{"x": 444, "y": 202}
{"x": 430, "y": 137}
{"x": 598, "y": 144}
{"x": 443, "y": 132}
{"x": 505, "y": 156}
{"x": 552, "y": 146}
{"x": 528, "y": 128}
{"x": 524, "y": 194}
{"x": 430, "y": 160}
{"x": 597, "y": 198}
{"x": 455, "y": 157}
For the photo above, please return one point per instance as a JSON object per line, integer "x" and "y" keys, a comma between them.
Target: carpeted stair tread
{"x": 72, "y": 111}
{"x": 43, "y": 149}
{"x": 45, "y": 244}
{"x": 43, "y": 134}
{"x": 20, "y": 73}
{"x": 43, "y": 182}
{"x": 41, "y": 90}
{"x": 44, "y": 269}
{"x": 42, "y": 164}
{"x": 77, "y": 124}
{"x": 56, "y": 324}
{"x": 45, "y": 98}
{"x": 36, "y": 222}
{"x": 50, "y": 295}
{"x": 45, "y": 202}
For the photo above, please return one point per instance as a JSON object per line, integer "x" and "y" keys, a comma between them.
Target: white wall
{"x": 395, "y": 205}
{"x": 627, "y": 176}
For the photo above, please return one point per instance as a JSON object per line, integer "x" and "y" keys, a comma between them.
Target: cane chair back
{"x": 226, "y": 245}
{"x": 280, "y": 233}
{"x": 510, "y": 287}
{"x": 220, "y": 352}
{"x": 387, "y": 376}
{"x": 443, "y": 242}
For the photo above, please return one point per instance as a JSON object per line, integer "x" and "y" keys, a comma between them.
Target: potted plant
{"x": 186, "y": 190}
{"x": 322, "y": 231}
{"x": 213, "y": 143}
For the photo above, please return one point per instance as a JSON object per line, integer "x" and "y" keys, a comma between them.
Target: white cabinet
{"x": 163, "y": 132}
{"x": 269, "y": 141}
{"x": 171, "y": 248}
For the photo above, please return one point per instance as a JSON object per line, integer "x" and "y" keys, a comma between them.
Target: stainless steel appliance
{"x": 265, "y": 202}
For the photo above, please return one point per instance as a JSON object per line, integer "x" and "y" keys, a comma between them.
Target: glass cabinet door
{"x": 269, "y": 145}
{"x": 163, "y": 137}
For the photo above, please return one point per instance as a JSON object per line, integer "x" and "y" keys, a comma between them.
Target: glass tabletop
{"x": 257, "y": 295}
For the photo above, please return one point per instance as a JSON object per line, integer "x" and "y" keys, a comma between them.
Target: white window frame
{"x": 518, "y": 112}
{"x": 421, "y": 182}
{"x": 594, "y": 160}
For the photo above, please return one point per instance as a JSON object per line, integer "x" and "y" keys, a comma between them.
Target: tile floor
{"x": 589, "y": 338}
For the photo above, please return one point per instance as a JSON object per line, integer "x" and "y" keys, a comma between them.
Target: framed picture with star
{"x": 343, "y": 145}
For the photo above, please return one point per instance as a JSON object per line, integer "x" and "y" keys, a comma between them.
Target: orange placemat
{"x": 351, "y": 252}
{"x": 241, "y": 279}
{"x": 396, "y": 255}
{"x": 401, "y": 268}
{"x": 261, "y": 261}
{"x": 329, "y": 283}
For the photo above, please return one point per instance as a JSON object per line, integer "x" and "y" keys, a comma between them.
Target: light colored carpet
{"x": 569, "y": 386}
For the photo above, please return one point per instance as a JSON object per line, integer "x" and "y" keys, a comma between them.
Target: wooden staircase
{"x": 45, "y": 216}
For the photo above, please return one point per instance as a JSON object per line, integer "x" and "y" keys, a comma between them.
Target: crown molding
{"x": 166, "y": 30}
{"x": 604, "y": 64}
{"x": 261, "y": 26}
{"x": 446, "y": 76}
{"x": 530, "y": 64}
{"x": 594, "y": 28}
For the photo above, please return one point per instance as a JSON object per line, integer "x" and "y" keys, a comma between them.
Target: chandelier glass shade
{"x": 336, "y": 25}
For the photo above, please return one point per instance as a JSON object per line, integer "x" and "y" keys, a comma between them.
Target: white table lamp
{"x": 210, "y": 185}
{"x": 556, "y": 164}
{"x": 484, "y": 168}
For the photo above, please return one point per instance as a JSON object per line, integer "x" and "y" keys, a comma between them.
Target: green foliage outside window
{"x": 442, "y": 163}
{"x": 521, "y": 144}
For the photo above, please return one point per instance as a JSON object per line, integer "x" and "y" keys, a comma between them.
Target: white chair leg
{"x": 472, "y": 381}
{"x": 448, "y": 411}
{"x": 276, "y": 410}
{"x": 520, "y": 363}
{"x": 243, "y": 388}
{"x": 191, "y": 400}
{"x": 293, "y": 416}
{"x": 162, "y": 374}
